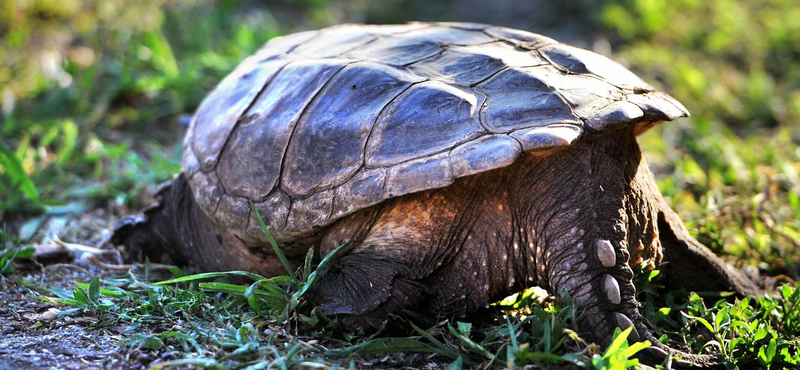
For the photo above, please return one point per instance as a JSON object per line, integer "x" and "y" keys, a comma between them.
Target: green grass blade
{"x": 440, "y": 347}
{"x": 80, "y": 295}
{"x": 94, "y": 290}
{"x": 635, "y": 348}
{"x": 272, "y": 242}
{"x": 620, "y": 338}
{"x": 469, "y": 343}
{"x": 379, "y": 346}
{"x": 13, "y": 167}
{"x": 163, "y": 57}
{"x": 210, "y": 275}
{"x": 321, "y": 270}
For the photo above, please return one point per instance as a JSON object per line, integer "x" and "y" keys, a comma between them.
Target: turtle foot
{"x": 604, "y": 296}
{"x": 362, "y": 292}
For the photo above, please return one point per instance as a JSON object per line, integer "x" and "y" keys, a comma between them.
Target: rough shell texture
{"x": 320, "y": 124}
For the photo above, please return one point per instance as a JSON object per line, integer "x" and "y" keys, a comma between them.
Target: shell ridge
{"x": 468, "y": 45}
{"x": 485, "y": 105}
{"x": 329, "y": 217}
{"x": 442, "y": 49}
{"x": 521, "y": 145}
{"x": 511, "y": 36}
{"x": 557, "y": 93}
{"x": 489, "y": 78}
{"x": 465, "y": 26}
{"x": 479, "y": 112}
{"x": 378, "y": 117}
{"x": 359, "y": 46}
{"x": 244, "y": 114}
{"x": 297, "y": 45}
{"x": 552, "y": 63}
{"x": 282, "y": 167}
{"x": 397, "y": 32}
{"x": 249, "y": 214}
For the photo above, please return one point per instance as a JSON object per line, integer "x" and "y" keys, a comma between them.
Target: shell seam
{"x": 279, "y": 181}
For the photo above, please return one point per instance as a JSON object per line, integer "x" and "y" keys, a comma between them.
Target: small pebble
{"x": 51, "y": 314}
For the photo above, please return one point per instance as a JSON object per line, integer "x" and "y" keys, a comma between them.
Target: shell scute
{"x": 252, "y": 161}
{"x": 334, "y": 42}
{"x": 547, "y": 137}
{"x": 517, "y": 99}
{"x": 233, "y": 209}
{"x": 450, "y": 36}
{"x": 485, "y": 153}
{"x": 274, "y": 211}
{"x": 585, "y": 93}
{"x": 580, "y": 61}
{"x": 468, "y": 65}
{"x": 364, "y": 189}
{"x": 406, "y": 129}
{"x": 328, "y": 144}
{"x": 219, "y": 112}
{"x": 285, "y": 44}
{"x": 396, "y": 51}
{"x": 311, "y": 212}
{"x": 421, "y": 174}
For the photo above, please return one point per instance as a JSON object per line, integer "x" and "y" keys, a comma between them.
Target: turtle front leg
{"x": 588, "y": 240}
{"x": 594, "y": 265}
{"x": 362, "y": 291}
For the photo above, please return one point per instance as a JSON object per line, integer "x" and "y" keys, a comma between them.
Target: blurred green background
{"x": 93, "y": 94}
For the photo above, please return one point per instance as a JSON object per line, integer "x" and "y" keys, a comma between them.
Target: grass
{"x": 230, "y": 326}
{"x": 92, "y": 103}
{"x": 268, "y": 323}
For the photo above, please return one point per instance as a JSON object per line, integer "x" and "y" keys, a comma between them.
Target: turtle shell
{"x": 318, "y": 125}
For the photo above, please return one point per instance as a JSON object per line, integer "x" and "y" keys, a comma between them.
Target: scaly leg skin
{"x": 363, "y": 291}
{"x": 615, "y": 195}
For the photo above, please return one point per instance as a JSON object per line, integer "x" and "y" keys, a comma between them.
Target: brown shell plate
{"x": 320, "y": 124}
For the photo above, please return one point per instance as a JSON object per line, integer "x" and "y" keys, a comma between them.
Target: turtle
{"x": 456, "y": 162}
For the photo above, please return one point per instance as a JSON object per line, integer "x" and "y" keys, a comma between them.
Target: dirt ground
{"x": 35, "y": 336}
{"x": 38, "y": 334}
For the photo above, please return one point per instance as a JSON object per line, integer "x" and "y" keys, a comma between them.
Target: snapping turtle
{"x": 462, "y": 163}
